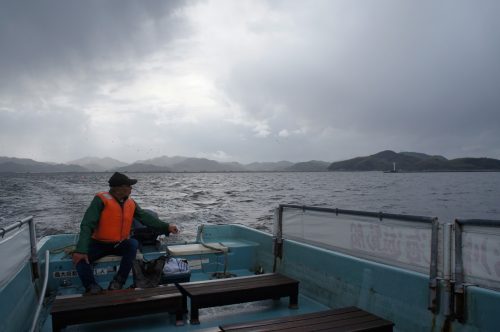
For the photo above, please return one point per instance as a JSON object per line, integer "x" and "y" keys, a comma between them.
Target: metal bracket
{"x": 433, "y": 290}
{"x": 277, "y": 251}
{"x": 278, "y": 248}
{"x": 459, "y": 303}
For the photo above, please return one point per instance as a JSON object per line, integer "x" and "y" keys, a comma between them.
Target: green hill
{"x": 309, "y": 166}
{"x": 414, "y": 161}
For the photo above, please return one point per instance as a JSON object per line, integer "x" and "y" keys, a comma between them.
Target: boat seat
{"x": 197, "y": 249}
{"x": 78, "y": 309}
{"x": 114, "y": 258}
{"x": 177, "y": 250}
{"x": 212, "y": 293}
{"x": 345, "y": 319}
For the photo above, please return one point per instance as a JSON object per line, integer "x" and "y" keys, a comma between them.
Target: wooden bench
{"x": 346, "y": 319}
{"x": 69, "y": 310}
{"x": 212, "y": 293}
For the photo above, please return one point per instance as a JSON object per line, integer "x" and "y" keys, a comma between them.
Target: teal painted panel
{"x": 483, "y": 310}
{"x": 339, "y": 280}
{"x": 18, "y": 302}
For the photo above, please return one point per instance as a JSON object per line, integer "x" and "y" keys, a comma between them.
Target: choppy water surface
{"x": 58, "y": 201}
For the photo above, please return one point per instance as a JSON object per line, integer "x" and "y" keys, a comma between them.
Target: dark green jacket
{"x": 93, "y": 214}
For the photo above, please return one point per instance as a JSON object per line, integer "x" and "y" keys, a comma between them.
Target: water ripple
{"x": 58, "y": 201}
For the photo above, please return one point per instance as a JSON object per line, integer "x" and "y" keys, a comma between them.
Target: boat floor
{"x": 210, "y": 318}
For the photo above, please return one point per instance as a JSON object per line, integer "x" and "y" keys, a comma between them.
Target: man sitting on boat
{"x": 105, "y": 230}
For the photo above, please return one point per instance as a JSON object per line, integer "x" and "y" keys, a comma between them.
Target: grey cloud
{"x": 344, "y": 78}
{"x": 68, "y": 49}
{"x": 419, "y": 70}
{"x": 54, "y": 37}
{"x": 43, "y": 135}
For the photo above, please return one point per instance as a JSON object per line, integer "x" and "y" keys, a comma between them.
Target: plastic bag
{"x": 148, "y": 274}
{"x": 175, "y": 265}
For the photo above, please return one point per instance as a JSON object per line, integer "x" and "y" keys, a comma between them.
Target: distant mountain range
{"x": 188, "y": 164}
{"x": 21, "y": 165}
{"x": 98, "y": 164}
{"x": 382, "y": 161}
{"x": 160, "y": 164}
{"x": 414, "y": 162}
{"x": 309, "y": 166}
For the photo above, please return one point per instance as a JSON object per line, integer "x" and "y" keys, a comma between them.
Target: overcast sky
{"x": 248, "y": 80}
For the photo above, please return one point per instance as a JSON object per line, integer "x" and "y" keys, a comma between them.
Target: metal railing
{"x": 464, "y": 253}
{"x": 476, "y": 259}
{"x": 422, "y": 237}
{"x": 15, "y": 240}
{"x": 371, "y": 234}
{"x": 34, "y": 324}
{"x": 31, "y": 224}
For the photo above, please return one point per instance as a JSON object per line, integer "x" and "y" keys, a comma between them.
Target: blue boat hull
{"x": 328, "y": 279}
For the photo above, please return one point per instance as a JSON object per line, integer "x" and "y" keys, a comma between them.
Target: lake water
{"x": 58, "y": 201}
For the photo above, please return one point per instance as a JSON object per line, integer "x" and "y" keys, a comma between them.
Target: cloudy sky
{"x": 248, "y": 80}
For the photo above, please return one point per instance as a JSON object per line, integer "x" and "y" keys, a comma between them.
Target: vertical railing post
{"x": 34, "y": 325}
{"x": 34, "y": 254}
{"x": 459, "y": 288}
{"x": 433, "y": 272}
{"x": 278, "y": 237}
{"x": 447, "y": 268}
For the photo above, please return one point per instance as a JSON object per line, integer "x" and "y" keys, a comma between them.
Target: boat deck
{"x": 210, "y": 318}
{"x": 203, "y": 263}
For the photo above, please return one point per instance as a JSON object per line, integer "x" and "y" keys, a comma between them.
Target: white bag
{"x": 175, "y": 265}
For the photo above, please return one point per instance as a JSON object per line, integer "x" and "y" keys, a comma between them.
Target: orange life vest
{"x": 115, "y": 221}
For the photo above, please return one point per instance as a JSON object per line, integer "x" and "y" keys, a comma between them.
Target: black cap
{"x": 119, "y": 179}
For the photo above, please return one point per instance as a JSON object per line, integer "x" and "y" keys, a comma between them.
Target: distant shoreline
{"x": 384, "y": 161}
{"x": 256, "y": 172}
{"x": 448, "y": 171}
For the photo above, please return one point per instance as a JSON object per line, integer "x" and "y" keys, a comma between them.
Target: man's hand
{"x": 78, "y": 257}
{"x": 173, "y": 229}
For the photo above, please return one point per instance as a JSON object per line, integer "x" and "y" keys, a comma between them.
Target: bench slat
{"x": 110, "y": 297}
{"x": 235, "y": 287}
{"x": 318, "y": 325}
{"x": 254, "y": 277}
{"x": 344, "y": 319}
{"x": 298, "y": 318}
{"x": 213, "y": 286}
{"x": 372, "y": 326}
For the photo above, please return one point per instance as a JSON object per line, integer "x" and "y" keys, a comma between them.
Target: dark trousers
{"x": 127, "y": 249}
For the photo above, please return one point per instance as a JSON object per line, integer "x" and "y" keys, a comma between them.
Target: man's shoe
{"x": 93, "y": 289}
{"x": 115, "y": 284}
